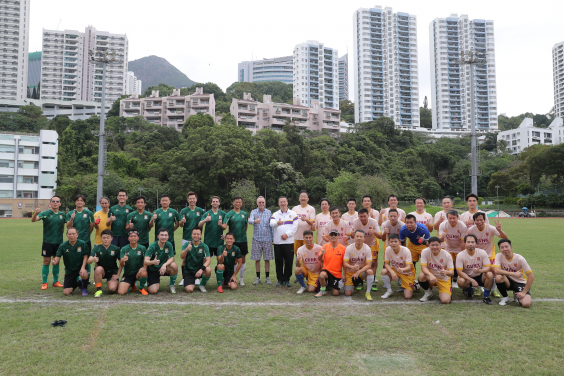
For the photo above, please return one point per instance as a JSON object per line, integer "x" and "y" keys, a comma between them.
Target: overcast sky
{"x": 206, "y": 39}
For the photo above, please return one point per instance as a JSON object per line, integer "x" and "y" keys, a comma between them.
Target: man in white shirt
{"x": 284, "y": 224}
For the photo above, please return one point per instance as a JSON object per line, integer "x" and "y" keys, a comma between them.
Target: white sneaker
{"x": 202, "y": 288}
{"x": 427, "y": 296}
{"x": 454, "y": 285}
{"x": 181, "y": 283}
{"x": 375, "y": 280}
{"x": 387, "y": 294}
{"x": 515, "y": 298}
{"x": 268, "y": 281}
{"x": 257, "y": 281}
{"x": 241, "y": 282}
{"x": 301, "y": 290}
{"x": 197, "y": 282}
{"x": 504, "y": 301}
{"x": 172, "y": 289}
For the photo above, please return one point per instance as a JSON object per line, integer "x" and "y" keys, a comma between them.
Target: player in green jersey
{"x": 197, "y": 262}
{"x": 189, "y": 218}
{"x": 106, "y": 257}
{"x": 118, "y": 219}
{"x": 237, "y": 220}
{"x": 213, "y": 219}
{"x": 166, "y": 217}
{"x": 159, "y": 260}
{"x": 140, "y": 220}
{"x": 53, "y": 227}
{"x": 132, "y": 257}
{"x": 83, "y": 220}
{"x": 75, "y": 255}
{"x": 225, "y": 271}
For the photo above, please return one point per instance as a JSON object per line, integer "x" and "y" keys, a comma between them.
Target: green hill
{"x": 154, "y": 70}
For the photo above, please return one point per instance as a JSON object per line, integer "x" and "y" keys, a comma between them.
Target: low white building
{"x": 527, "y": 135}
{"x": 74, "y": 110}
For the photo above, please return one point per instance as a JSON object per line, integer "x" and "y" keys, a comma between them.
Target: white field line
{"x": 337, "y": 302}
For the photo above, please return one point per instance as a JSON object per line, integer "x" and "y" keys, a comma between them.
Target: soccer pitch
{"x": 267, "y": 330}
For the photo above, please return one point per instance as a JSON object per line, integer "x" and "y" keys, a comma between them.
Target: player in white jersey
{"x": 372, "y": 233}
{"x": 436, "y": 269}
{"x": 308, "y": 264}
{"x": 393, "y": 202}
{"x": 474, "y": 270}
{"x": 468, "y": 216}
{"x": 338, "y": 224}
{"x": 421, "y": 216}
{"x": 367, "y": 204}
{"x": 392, "y": 226}
{"x": 321, "y": 220}
{"x": 441, "y": 216}
{"x": 306, "y": 219}
{"x": 452, "y": 233}
{"x": 350, "y": 215}
{"x": 513, "y": 273}
{"x": 357, "y": 263}
{"x": 398, "y": 266}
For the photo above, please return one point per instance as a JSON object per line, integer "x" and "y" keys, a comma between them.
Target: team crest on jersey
{"x": 233, "y": 254}
{"x": 478, "y": 259}
{"x": 112, "y": 253}
{"x": 127, "y": 210}
{"x": 515, "y": 265}
{"x": 220, "y": 217}
{"x": 441, "y": 260}
{"x": 170, "y": 214}
{"x": 197, "y": 214}
{"x": 200, "y": 251}
{"x": 166, "y": 250}
{"x": 145, "y": 216}
{"x": 84, "y": 215}
{"x": 60, "y": 217}
{"x": 79, "y": 249}
{"x": 138, "y": 253}
{"x": 401, "y": 258}
{"x": 242, "y": 216}
{"x": 67, "y": 250}
{"x": 487, "y": 234}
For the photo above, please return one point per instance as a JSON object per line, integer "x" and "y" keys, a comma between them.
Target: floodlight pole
{"x": 497, "y": 190}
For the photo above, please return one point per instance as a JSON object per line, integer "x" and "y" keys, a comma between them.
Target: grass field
{"x": 264, "y": 330}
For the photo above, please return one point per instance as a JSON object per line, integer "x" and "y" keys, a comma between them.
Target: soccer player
{"x": 237, "y": 220}
{"x": 213, "y": 219}
{"x": 391, "y": 226}
{"x": 306, "y": 219}
{"x": 441, "y": 216}
{"x": 53, "y": 227}
{"x": 75, "y": 255}
{"x": 106, "y": 257}
{"x": 284, "y": 224}
{"x": 452, "y": 233}
{"x": 436, "y": 269}
{"x": 166, "y": 217}
{"x": 261, "y": 246}
{"x": 474, "y": 269}
{"x": 308, "y": 264}
{"x": 332, "y": 254}
{"x": 513, "y": 273}
{"x": 118, "y": 219}
{"x": 342, "y": 226}
{"x": 132, "y": 259}
{"x": 101, "y": 220}
{"x": 371, "y": 234}
{"x": 228, "y": 255}
{"x": 421, "y": 215}
{"x": 82, "y": 220}
{"x": 351, "y": 215}
{"x": 416, "y": 236}
{"x": 190, "y": 217}
{"x": 198, "y": 260}
{"x": 357, "y": 263}
{"x": 393, "y": 202}
{"x": 367, "y": 204}
{"x": 159, "y": 260}
{"x": 468, "y": 216}
{"x": 322, "y": 219}
{"x": 398, "y": 265}
{"x": 140, "y": 219}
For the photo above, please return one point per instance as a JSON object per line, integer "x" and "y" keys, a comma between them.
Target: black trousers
{"x": 284, "y": 259}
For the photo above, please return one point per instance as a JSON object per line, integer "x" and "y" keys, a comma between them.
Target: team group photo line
{"x": 340, "y": 258}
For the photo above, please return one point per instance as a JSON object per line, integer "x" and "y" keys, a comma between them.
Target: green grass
{"x": 263, "y": 330}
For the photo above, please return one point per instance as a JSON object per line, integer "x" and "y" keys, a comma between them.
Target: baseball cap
{"x": 333, "y": 232}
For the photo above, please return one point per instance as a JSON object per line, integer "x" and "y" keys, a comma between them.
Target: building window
{"x": 6, "y": 178}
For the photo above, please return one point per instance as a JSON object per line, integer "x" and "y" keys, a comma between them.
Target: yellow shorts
{"x": 311, "y": 277}
{"x": 415, "y": 250}
{"x": 348, "y": 280}
{"x": 492, "y": 259}
{"x": 374, "y": 250}
{"x": 453, "y": 258}
{"x": 444, "y": 286}
{"x": 298, "y": 244}
{"x": 407, "y": 281}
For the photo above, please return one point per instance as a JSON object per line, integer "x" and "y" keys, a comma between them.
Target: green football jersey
{"x": 107, "y": 258}
{"x": 195, "y": 257}
{"x": 237, "y": 223}
{"x": 193, "y": 217}
{"x": 141, "y": 223}
{"x": 121, "y": 213}
{"x": 135, "y": 258}
{"x": 73, "y": 255}
{"x": 233, "y": 255}
{"x": 161, "y": 254}
{"x": 212, "y": 232}
{"x": 53, "y": 226}
{"x": 81, "y": 222}
{"x": 166, "y": 219}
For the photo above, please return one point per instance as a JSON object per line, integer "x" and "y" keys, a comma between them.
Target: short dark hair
{"x": 52, "y": 197}
{"x": 390, "y": 196}
{"x": 80, "y": 196}
{"x": 410, "y": 216}
{"x": 132, "y": 231}
{"x": 359, "y": 230}
{"x": 351, "y": 199}
{"x": 141, "y": 197}
{"x": 308, "y": 232}
{"x": 393, "y": 211}
{"x": 303, "y": 191}
{"x": 122, "y": 190}
{"x": 106, "y": 232}
{"x": 218, "y": 199}
{"x": 450, "y": 198}
{"x": 192, "y": 194}
{"x": 471, "y": 195}
{"x": 363, "y": 197}
{"x": 197, "y": 228}
{"x": 333, "y": 208}
{"x": 230, "y": 234}
{"x": 165, "y": 195}
{"x": 325, "y": 199}
{"x": 471, "y": 235}
{"x": 237, "y": 198}
{"x": 281, "y": 197}
{"x": 72, "y": 228}
{"x": 477, "y": 214}
{"x": 162, "y": 229}
{"x": 363, "y": 211}
{"x": 393, "y": 236}
{"x": 501, "y": 241}
{"x": 433, "y": 239}
{"x": 420, "y": 198}
{"x": 452, "y": 212}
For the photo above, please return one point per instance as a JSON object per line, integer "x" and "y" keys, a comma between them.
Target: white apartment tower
{"x": 67, "y": 73}
{"x": 344, "y": 77}
{"x": 558, "y": 78}
{"x": 316, "y": 74}
{"x": 450, "y": 82}
{"x": 275, "y": 69}
{"x": 14, "y": 31}
{"x": 133, "y": 84}
{"x": 386, "y": 81}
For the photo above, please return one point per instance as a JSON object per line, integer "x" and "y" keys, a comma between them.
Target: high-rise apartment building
{"x": 558, "y": 78}
{"x": 450, "y": 82}
{"x": 14, "y": 34}
{"x": 133, "y": 84}
{"x": 276, "y": 69}
{"x": 67, "y": 72}
{"x": 386, "y": 80}
{"x": 344, "y": 77}
{"x": 316, "y": 74}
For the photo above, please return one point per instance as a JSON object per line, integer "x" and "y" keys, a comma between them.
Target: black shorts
{"x": 108, "y": 274}
{"x": 243, "y": 246}
{"x": 146, "y": 245}
{"x": 478, "y": 279}
{"x": 332, "y": 281}
{"x": 516, "y": 286}
{"x": 71, "y": 279}
{"x": 49, "y": 249}
{"x": 129, "y": 278}
{"x": 226, "y": 277}
{"x": 120, "y": 241}
{"x": 189, "y": 278}
{"x": 213, "y": 251}
{"x": 154, "y": 277}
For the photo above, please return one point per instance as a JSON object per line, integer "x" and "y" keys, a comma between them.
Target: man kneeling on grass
{"x": 513, "y": 273}
{"x": 436, "y": 270}
{"x": 227, "y": 256}
{"x": 159, "y": 260}
{"x": 398, "y": 265}
{"x": 197, "y": 260}
{"x": 308, "y": 264}
{"x": 132, "y": 258}
{"x": 358, "y": 263}
{"x": 332, "y": 254}
{"x": 75, "y": 255}
{"x": 474, "y": 270}
{"x": 106, "y": 256}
